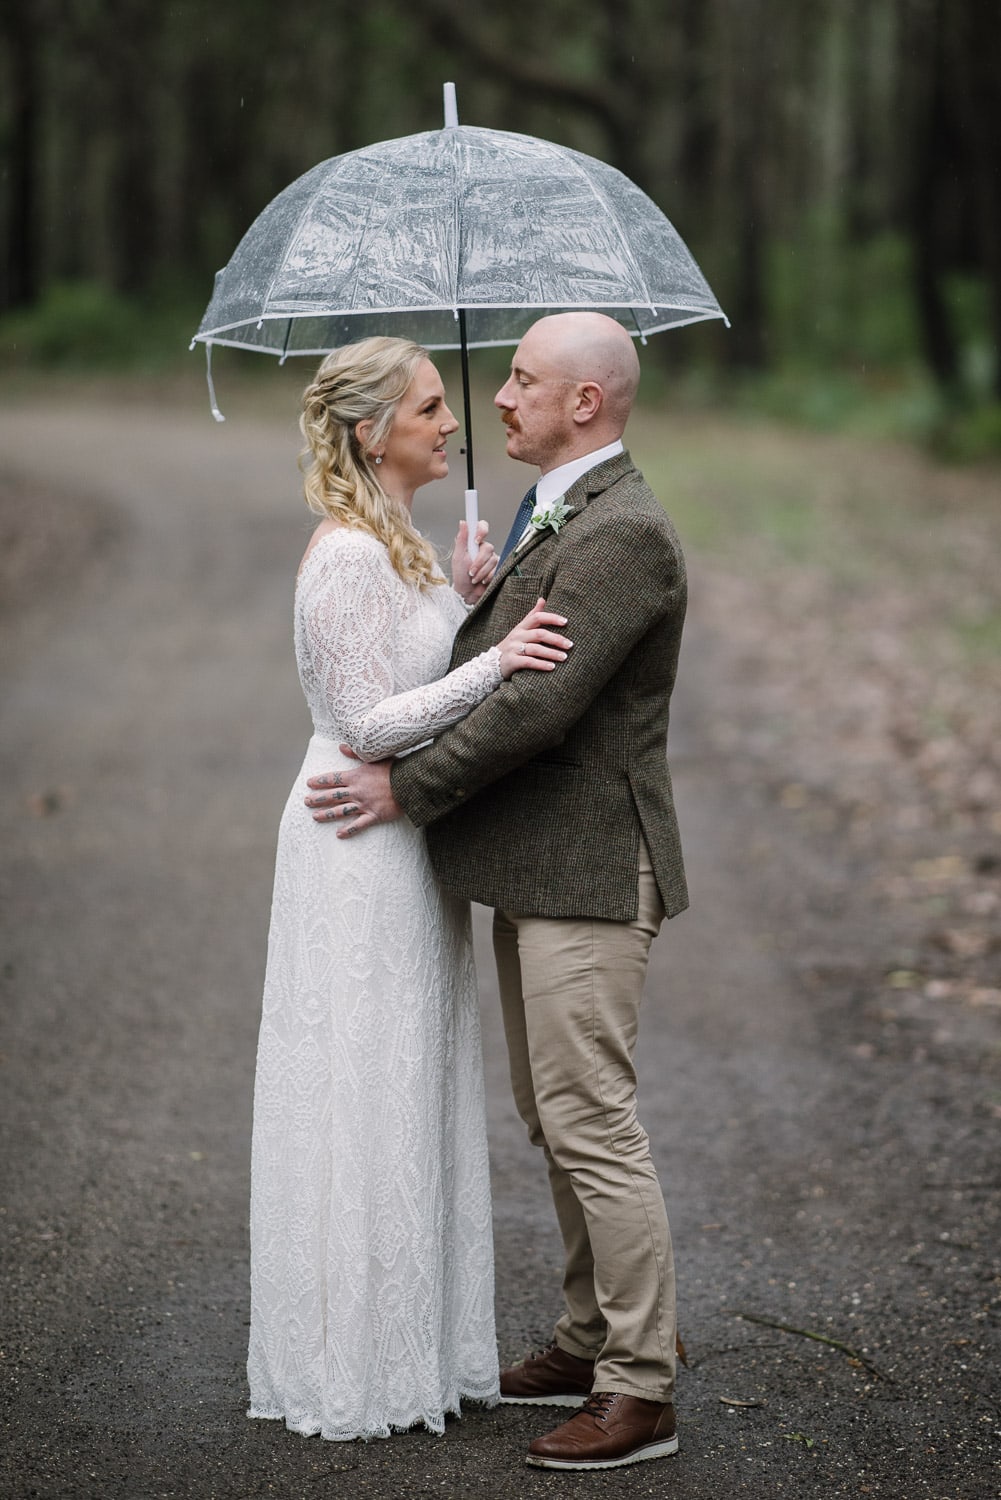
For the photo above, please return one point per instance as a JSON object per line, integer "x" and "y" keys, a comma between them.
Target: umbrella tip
{"x": 451, "y": 108}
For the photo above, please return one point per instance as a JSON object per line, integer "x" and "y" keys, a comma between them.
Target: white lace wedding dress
{"x": 371, "y": 1254}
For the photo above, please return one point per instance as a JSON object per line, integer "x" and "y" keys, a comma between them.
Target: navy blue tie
{"x": 521, "y": 520}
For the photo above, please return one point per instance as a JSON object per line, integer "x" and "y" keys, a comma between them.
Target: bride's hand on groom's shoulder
{"x": 470, "y": 576}
{"x": 355, "y": 798}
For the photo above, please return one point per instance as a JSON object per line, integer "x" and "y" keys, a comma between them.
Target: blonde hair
{"x": 363, "y": 382}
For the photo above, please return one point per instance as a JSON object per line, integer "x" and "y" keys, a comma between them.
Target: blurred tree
{"x": 932, "y": 178}
{"x": 950, "y": 58}
{"x": 138, "y": 140}
{"x": 21, "y": 30}
{"x": 973, "y": 44}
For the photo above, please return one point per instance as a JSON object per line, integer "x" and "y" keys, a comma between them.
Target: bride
{"x": 371, "y": 1254}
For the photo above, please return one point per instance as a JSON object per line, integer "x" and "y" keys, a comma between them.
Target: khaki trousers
{"x": 570, "y": 991}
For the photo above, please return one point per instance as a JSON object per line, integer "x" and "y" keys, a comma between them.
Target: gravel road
{"x": 843, "y": 1199}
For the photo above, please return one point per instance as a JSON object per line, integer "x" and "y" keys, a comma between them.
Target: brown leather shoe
{"x": 550, "y": 1378}
{"x": 610, "y": 1430}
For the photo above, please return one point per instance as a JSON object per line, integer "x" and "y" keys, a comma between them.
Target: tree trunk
{"x": 930, "y": 170}
{"x": 22, "y": 282}
{"x": 974, "y": 50}
{"x": 746, "y": 346}
{"x": 859, "y": 219}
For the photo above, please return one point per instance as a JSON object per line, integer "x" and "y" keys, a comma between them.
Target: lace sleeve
{"x": 349, "y": 621}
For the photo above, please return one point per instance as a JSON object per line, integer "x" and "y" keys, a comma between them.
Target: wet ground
{"x": 832, "y": 1181}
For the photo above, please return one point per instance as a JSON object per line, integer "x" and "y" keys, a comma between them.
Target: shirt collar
{"x": 556, "y": 483}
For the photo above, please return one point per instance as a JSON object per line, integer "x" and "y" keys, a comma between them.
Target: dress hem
{"x": 307, "y": 1426}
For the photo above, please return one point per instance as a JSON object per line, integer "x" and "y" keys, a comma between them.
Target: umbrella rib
{"x": 306, "y": 210}
{"x": 283, "y": 262}
{"x": 457, "y": 185}
{"x": 374, "y": 200}
{"x": 370, "y": 210}
{"x": 602, "y": 198}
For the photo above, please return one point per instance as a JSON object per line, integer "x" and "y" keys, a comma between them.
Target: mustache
{"x": 507, "y": 417}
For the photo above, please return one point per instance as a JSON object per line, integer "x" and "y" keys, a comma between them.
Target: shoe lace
{"x": 598, "y": 1405}
{"x": 541, "y": 1353}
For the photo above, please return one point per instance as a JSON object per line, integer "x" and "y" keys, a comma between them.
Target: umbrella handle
{"x": 472, "y": 521}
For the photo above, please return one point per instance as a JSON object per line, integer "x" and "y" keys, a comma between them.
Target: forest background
{"x": 833, "y": 464}
{"x": 833, "y": 166}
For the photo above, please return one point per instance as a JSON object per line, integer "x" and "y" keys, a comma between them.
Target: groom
{"x": 551, "y": 802}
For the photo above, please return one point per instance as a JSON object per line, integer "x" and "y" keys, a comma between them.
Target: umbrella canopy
{"x": 459, "y": 238}
{"x": 501, "y": 227}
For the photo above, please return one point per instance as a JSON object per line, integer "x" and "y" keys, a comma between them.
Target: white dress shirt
{"x": 556, "y": 483}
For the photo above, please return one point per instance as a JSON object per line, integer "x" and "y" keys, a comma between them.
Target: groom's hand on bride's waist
{"x": 354, "y": 798}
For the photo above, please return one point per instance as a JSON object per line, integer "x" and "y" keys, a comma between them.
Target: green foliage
{"x": 81, "y": 325}
{"x": 835, "y": 303}
{"x": 845, "y": 351}
{"x": 846, "y": 347}
{"x": 728, "y": 497}
{"x": 970, "y": 434}
{"x": 980, "y": 635}
{"x": 902, "y": 403}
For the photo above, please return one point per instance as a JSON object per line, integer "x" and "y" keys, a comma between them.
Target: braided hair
{"x": 362, "y": 382}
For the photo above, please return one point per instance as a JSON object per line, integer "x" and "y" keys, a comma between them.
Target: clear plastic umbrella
{"x": 459, "y": 238}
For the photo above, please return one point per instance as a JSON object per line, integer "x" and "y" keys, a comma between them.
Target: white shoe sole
{"x": 544, "y": 1400}
{"x": 662, "y": 1449}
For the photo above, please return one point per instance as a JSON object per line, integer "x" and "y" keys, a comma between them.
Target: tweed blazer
{"x": 535, "y": 802}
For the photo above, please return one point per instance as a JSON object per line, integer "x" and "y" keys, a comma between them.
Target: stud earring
{"x": 378, "y": 458}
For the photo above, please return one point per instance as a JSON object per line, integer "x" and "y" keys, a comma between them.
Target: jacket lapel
{"x": 576, "y": 498}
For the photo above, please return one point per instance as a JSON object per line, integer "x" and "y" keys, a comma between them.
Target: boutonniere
{"x": 552, "y": 515}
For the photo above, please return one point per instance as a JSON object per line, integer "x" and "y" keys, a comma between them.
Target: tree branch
{"x": 452, "y": 25}
{"x": 820, "y": 1338}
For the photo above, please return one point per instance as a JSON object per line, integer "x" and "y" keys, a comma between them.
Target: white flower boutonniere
{"x": 554, "y": 514}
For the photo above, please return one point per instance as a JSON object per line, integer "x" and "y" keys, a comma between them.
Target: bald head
{"x": 591, "y": 347}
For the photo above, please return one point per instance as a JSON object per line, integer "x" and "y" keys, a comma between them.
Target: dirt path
{"x": 816, "y": 1178}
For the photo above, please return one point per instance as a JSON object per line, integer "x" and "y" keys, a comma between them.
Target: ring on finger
{"x": 521, "y": 649}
